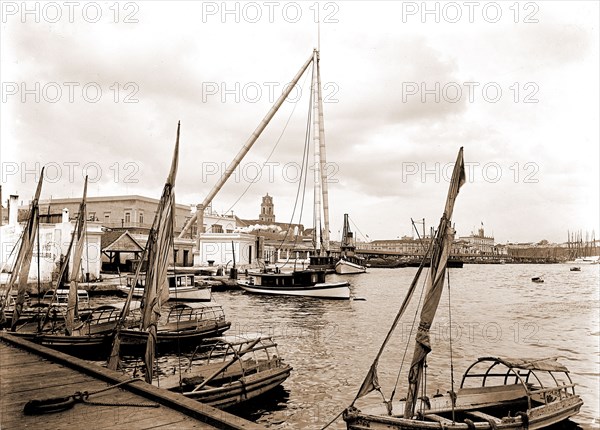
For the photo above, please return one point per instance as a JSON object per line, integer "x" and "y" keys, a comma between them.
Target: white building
{"x": 54, "y": 239}
{"x": 221, "y": 249}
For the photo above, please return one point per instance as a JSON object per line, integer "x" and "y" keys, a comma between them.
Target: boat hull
{"x": 92, "y": 347}
{"x": 133, "y": 341}
{"x": 345, "y": 267}
{"x": 327, "y": 290}
{"x": 536, "y": 418}
{"x": 243, "y": 389}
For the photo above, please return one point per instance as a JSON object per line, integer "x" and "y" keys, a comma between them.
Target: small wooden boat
{"x": 349, "y": 266}
{"x": 186, "y": 326}
{"x": 537, "y": 279}
{"x": 305, "y": 283}
{"x": 575, "y": 269}
{"x": 91, "y": 337}
{"x": 182, "y": 287}
{"x": 235, "y": 370}
{"x": 495, "y": 393}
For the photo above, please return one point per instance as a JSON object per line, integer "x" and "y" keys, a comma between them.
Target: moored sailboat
{"x": 186, "y": 324}
{"x": 20, "y": 270}
{"x": 59, "y": 325}
{"x": 349, "y": 262}
{"x": 495, "y": 392}
{"x": 312, "y": 281}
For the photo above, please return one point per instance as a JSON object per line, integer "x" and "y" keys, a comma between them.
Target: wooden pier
{"x": 32, "y": 372}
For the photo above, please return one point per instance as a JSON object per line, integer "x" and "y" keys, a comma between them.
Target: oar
{"x": 226, "y": 365}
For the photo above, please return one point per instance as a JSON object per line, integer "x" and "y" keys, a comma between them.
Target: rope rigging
{"x": 303, "y": 177}
{"x": 250, "y": 183}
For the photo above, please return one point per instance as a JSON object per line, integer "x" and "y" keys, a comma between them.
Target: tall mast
{"x": 434, "y": 287}
{"x": 317, "y": 156}
{"x": 323, "y": 162}
{"x": 79, "y": 233}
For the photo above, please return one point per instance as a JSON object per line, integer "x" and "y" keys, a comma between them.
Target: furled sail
{"x": 434, "y": 286}
{"x": 23, "y": 260}
{"x": 159, "y": 246}
{"x": 79, "y": 233}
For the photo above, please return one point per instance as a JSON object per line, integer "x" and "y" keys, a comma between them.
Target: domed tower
{"x": 267, "y": 213}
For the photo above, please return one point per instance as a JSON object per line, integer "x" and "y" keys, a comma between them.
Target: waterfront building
{"x": 54, "y": 242}
{"x": 129, "y": 211}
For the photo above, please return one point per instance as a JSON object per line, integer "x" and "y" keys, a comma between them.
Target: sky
{"x": 97, "y": 88}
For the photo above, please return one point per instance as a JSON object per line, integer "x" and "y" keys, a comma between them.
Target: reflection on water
{"x": 495, "y": 310}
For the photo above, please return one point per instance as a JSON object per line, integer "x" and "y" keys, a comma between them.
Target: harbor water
{"x": 489, "y": 310}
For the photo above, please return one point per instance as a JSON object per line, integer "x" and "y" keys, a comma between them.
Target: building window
{"x": 141, "y": 217}
{"x": 92, "y": 216}
{"x": 127, "y": 217}
{"x": 217, "y": 228}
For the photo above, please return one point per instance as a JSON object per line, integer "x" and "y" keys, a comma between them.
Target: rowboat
{"x": 90, "y": 338}
{"x": 237, "y": 369}
{"x": 187, "y": 324}
{"x": 495, "y": 393}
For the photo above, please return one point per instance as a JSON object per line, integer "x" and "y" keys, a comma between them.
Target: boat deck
{"x": 29, "y": 371}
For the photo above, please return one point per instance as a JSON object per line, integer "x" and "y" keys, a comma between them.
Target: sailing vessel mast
{"x": 158, "y": 249}
{"x": 79, "y": 232}
{"x": 323, "y": 160}
{"x": 23, "y": 260}
{"x": 434, "y": 287}
{"x": 317, "y": 157}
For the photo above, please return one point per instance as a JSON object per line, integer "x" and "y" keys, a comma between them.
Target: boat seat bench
{"x": 483, "y": 416}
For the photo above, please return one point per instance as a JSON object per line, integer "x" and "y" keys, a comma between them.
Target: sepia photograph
{"x": 300, "y": 215}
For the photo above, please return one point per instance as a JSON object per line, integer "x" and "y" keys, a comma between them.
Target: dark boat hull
{"x": 133, "y": 342}
{"x": 92, "y": 347}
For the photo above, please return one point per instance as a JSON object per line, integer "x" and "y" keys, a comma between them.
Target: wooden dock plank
{"x": 30, "y": 371}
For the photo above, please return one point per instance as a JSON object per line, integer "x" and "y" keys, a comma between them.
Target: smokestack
{"x": 13, "y": 209}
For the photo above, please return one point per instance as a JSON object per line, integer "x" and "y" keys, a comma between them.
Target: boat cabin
{"x": 295, "y": 278}
{"x": 175, "y": 280}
